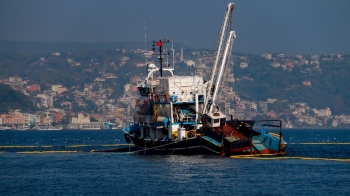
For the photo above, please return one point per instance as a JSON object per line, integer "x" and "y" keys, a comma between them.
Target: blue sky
{"x": 290, "y": 27}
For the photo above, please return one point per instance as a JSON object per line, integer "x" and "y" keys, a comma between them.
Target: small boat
{"x": 23, "y": 128}
{"x": 43, "y": 127}
{"x": 6, "y": 128}
{"x": 90, "y": 128}
{"x": 54, "y": 128}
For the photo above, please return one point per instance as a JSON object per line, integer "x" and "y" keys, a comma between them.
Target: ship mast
{"x": 161, "y": 54}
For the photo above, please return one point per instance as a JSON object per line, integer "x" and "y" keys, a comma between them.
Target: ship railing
{"x": 189, "y": 118}
{"x": 265, "y": 123}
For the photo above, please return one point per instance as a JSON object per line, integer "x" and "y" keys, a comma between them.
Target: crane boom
{"x": 228, "y": 49}
{"x": 226, "y": 21}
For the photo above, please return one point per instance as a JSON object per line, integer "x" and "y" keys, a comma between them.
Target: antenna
{"x": 172, "y": 48}
{"x": 182, "y": 54}
{"x": 144, "y": 24}
{"x": 167, "y": 58}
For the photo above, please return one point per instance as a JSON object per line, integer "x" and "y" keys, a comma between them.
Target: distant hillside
{"x": 12, "y": 99}
{"x": 326, "y": 78}
{"x": 329, "y": 86}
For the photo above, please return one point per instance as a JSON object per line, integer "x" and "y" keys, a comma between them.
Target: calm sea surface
{"x": 61, "y": 163}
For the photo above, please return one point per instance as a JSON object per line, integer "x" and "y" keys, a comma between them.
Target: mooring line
{"x": 145, "y": 149}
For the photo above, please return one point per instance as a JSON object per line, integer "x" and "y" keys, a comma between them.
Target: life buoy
{"x": 216, "y": 114}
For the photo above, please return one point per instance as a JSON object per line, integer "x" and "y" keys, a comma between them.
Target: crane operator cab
{"x": 215, "y": 119}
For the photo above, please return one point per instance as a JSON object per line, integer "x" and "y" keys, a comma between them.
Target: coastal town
{"x": 55, "y": 101}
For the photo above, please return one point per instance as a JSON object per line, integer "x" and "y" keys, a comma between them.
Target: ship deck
{"x": 229, "y": 130}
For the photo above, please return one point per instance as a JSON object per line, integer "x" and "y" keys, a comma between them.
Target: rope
{"x": 145, "y": 149}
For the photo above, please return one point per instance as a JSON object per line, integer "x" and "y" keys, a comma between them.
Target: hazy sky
{"x": 290, "y": 27}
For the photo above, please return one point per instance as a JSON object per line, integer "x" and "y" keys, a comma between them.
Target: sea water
{"x": 317, "y": 162}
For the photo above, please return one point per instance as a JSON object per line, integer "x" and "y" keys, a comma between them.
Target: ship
{"x": 181, "y": 115}
{"x": 5, "y": 128}
{"x": 45, "y": 127}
